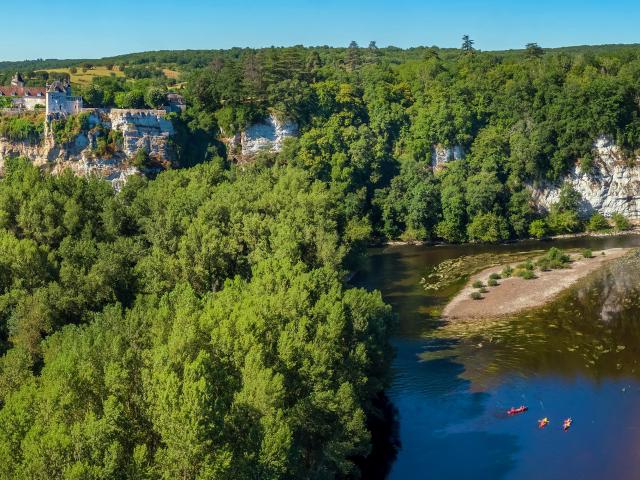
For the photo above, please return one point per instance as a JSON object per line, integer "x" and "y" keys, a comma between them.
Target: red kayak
{"x": 515, "y": 411}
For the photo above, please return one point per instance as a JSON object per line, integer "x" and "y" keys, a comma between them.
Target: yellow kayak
{"x": 543, "y": 423}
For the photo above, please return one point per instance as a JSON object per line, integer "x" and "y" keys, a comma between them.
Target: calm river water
{"x": 451, "y": 387}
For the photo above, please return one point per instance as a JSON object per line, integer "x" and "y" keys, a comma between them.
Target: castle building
{"x": 55, "y": 98}
{"x": 23, "y": 97}
{"x": 59, "y": 100}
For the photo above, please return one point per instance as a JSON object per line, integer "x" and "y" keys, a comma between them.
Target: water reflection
{"x": 451, "y": 387}
{"x": 593, "y": 329}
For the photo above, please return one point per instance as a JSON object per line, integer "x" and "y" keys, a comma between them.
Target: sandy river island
{"x": 515, "y": 294}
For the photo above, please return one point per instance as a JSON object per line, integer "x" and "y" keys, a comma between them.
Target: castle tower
{"x": 59, "y": 100}
{"x": 17, "y": 81}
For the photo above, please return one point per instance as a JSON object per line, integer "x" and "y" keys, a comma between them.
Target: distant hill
{"x": 190, "y": 59}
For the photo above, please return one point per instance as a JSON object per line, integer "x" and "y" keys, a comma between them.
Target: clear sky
{"x": 91, "y": 29}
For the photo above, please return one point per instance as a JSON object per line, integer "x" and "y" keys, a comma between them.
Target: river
{"x": 451, "y": 389}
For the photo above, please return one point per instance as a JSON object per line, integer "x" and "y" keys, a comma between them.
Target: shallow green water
{"x": 577, "y": 357}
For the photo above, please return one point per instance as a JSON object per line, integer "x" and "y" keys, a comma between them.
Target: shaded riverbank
{"x": 634, "y": 230}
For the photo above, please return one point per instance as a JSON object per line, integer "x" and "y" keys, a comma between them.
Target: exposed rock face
{"x": 612, "y": 187}
{"x": 141, "y": 129}
{"x": 441, "y": 154}
{"x": 36, "y": 152}
{"x": 268, "y": 135}
{"x": 111, "y": 170}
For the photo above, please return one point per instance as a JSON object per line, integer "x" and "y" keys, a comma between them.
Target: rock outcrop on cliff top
{"x": 143, "y": 129}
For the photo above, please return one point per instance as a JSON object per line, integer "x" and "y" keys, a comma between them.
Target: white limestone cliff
{"x": 267, "y": 135}
{"x": 441, "y": 154}
{"x": 613, "y": 185}
{"x": 141, "y": 129}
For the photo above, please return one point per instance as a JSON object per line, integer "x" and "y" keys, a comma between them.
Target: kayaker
{"x": 515, "y": 411}
{"x": 543, "y": 423}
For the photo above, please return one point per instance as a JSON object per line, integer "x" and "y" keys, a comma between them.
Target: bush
{"x": 495, "y": 276}
{"x": 22, "y": 128}
{"x": 131, "y": 99}
{"x": 564, "y": 222}
{"x": 478, "y": 284}
{"x": 554, "y": 259}
{"x": 483, "y": 290}
{"x": 488, "y": 227}
{"x": 6, "y": 102}
{"x": 66, "y": 129}
{"x": 620, "y": 222}
{"x": 107, "y": 144}
{"x": 507, "y": 271}
{"x": 538, "y": 229}
{"x": 141, "y": 159}
{"x": 597, "y": 223}
{"x": 544, "y": 264}
{"x": 528, "y": 274}
{"x": 528, "y": 265}
{"x": 476, "y": 295}
{"x": 587, "y": 253}
{"x": 492, "y": 282}
{"x": 155, "y": 97}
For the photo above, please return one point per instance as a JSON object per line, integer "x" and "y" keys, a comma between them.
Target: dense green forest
{"x": 195, "y": 326}
{"x": 198, "y": 325}
{"x": 370, "y": 117}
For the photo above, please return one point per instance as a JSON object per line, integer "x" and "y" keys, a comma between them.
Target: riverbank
{"x": 515, "y": 294}
{"x": 612, "y": 233}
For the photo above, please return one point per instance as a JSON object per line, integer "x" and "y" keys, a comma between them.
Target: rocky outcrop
{"x": 268, "y": 135}
{"x": 39, "y": 152}
{"x": 142, "y": 129}
{"x": 441, "y": 154}
{"x": 112, "y": 170}
{"x": 613, "y": 185}
{"x": 148, "y": 130}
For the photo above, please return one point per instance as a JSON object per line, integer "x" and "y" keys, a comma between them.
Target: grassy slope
{"x": 84, "y": 78}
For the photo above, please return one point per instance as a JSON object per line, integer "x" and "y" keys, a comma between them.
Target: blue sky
{"x": 89, "y": 28}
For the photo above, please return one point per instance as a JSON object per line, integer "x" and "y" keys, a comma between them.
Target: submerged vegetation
{"x": 588, "y": 328}
{"x": 451, "y": 274}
